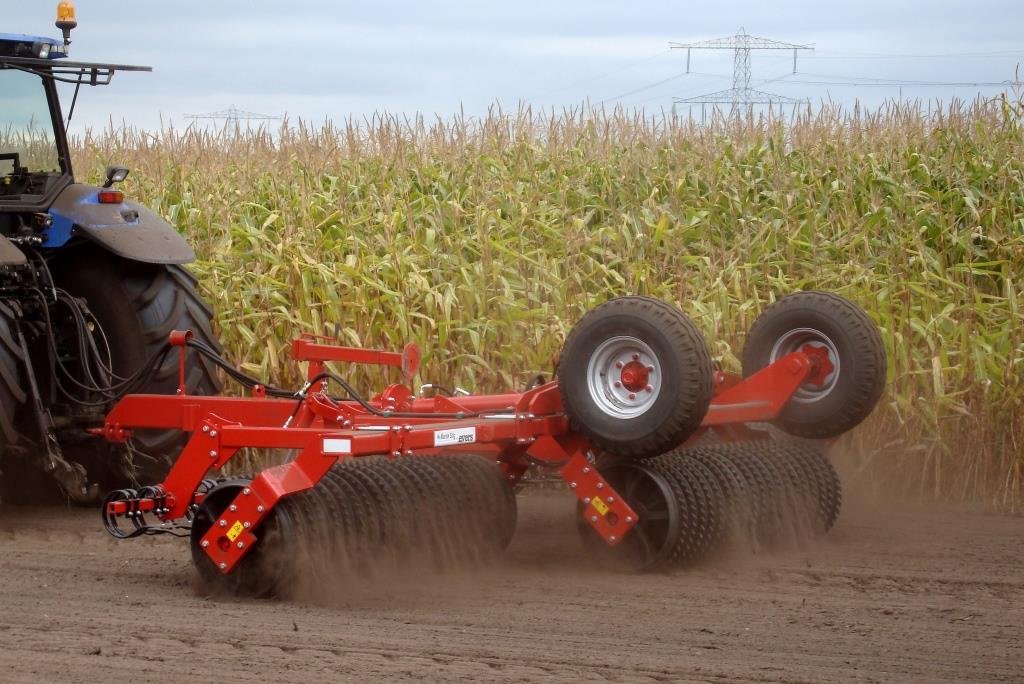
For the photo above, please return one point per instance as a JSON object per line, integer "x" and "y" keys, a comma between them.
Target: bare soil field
{"x": 906, "y": 594}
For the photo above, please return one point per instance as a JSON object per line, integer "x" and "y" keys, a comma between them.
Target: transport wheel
{"x": 260, "y": 572}
{"x": 651, "y": 542}
{"x": 635, "y": 377}
{"x": 848, "y": 383}
{"x": 137, "y": 306}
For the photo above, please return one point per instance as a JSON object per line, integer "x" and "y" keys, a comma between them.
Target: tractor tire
{"x": 12, "y": 393}
{"x": 138, "y": 305}
{"x": 13, "y": 470}
{"x": 836, "y": 403}
{"x": 635, "y": 377}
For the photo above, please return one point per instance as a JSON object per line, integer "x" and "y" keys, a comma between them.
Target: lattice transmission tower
{"x": 741, "y": 94}
{"x": 233, "y": 116}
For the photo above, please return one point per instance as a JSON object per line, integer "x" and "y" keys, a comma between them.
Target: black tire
{"x": 138, "y": 305}
{"x": 830, "y": 405}
{"x": 12, "y": 391}
{"x": 18, "y": 480}
{"x": 651, "y": 334}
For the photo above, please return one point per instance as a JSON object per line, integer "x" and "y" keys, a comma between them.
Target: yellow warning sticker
{"x": 235, "y": 530}
{"x": 596, "y": 502}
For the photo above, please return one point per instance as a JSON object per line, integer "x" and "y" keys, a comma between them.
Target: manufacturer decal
{"x": 454, "y": 436}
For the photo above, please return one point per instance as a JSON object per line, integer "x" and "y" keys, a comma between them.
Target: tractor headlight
{"x": 41, "y": 50}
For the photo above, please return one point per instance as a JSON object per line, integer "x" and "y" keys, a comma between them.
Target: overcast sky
{"x": 322, "y": 59}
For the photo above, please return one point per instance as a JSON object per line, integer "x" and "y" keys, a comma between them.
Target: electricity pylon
{"x": 232, "y": 116}
{"x": 741, "y": 93}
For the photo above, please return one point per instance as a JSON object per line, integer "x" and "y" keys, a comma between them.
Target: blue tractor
{"x": 91, "y": 284}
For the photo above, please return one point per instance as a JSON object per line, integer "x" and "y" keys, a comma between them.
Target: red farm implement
{"x": 662, "y": 451}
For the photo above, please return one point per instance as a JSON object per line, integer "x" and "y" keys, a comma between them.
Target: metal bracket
{"x": 70, "y": 476}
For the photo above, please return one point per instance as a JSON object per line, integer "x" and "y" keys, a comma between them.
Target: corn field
{"x": 483, "y": 240}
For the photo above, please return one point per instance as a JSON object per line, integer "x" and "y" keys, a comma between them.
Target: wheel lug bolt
{"x": 593, "y": 518}
{"x": 632, "y": 396}
{"x": 612, "y": 539}
{"x": 618, "y": 384}
{"x": 572, "y": 485}
{"x": 222, "y": 565}
{"x": 618, "y": 364}
{"x": 204, "y": 543}
{"x": 649, "y": 388}
{"x": 629, "y": 519}
{"x": 636, "y": 357}
{"x": 241, "y": 545}
{"x": 223, "y": 523}
{"x": 600, "y": 485}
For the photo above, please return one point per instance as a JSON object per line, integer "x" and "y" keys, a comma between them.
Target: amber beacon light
{"x": 66, "y": 19}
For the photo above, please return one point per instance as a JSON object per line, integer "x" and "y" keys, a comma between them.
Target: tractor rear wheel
{"x": 14, "y": 473}
{"x": 635, "y": 377}
{"x": 137, "y": 305}
{"x": 828, "y": 325}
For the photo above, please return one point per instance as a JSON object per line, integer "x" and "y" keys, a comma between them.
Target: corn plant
{"x": 483, "y": 240}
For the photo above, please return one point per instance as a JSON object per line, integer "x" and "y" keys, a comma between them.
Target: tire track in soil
{"x": 888, "y": 595}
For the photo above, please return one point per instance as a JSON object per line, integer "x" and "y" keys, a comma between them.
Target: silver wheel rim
{"x": 617, "y": 385}
{"x": 795, "y": 340}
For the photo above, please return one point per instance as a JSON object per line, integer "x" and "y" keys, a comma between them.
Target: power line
{"x": 842, "y": 79}
{"x": 656, "y": 84}
{"x": 916, "y": 84}
{"x": 601, "y": 76}
{"x": 825, "y": 54}
{"x": 897, "y": 81}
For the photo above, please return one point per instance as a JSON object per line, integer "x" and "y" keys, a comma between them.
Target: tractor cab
{"x": 33, "y": 150}
{"x": 35, "y": 162}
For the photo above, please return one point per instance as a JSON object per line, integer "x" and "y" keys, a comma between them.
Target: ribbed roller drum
{"x": 690, "y": 501}
{"x": 368, "y": 514}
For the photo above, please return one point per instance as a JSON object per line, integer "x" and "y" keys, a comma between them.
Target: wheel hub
{"x": 624, "y": 376}
{"x": 822, "y": 364}
{"x": 634, "y": 376}
{"x": 824, "y": 355}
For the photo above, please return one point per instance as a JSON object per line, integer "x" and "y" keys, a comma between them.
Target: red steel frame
{"x": 519, "y": 429}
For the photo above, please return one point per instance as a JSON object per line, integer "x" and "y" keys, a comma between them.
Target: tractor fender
{"x": 129, "y": 229}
